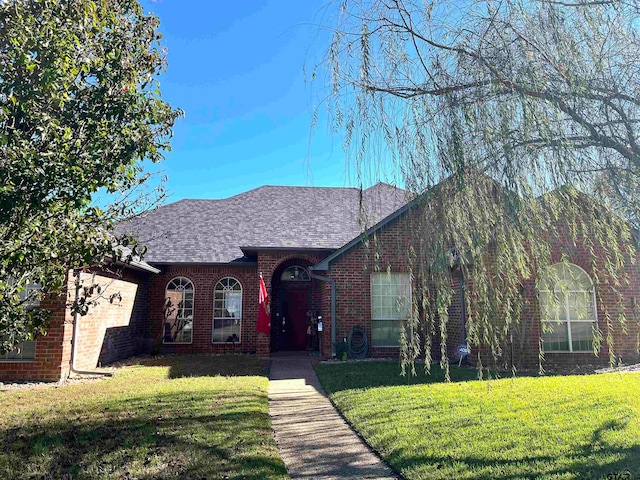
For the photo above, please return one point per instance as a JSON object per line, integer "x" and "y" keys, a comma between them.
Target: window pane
{"x": 390, "y": 296}
{"x": 178, "y": 330}
{"x": 227, "y": 311}
{"x": 385, "y": 333}
{"x": 226, "y": 330}
{"x": 580, "y": 306}
{"x": 552, "y": 306}
{"x": 233, "y": 304}
{"x": 178, "y": 326}
{"x": 24, "y": 351}
{"x": 555, "y": 336}
{"x": 570, "y": 300}
{"x": 582, "y": 336}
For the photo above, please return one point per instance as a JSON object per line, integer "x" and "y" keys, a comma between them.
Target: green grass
{"x": 549, "y": 427}
{"x": 190, "y": 417}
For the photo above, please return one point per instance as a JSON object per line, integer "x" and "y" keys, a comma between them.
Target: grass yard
{"x": 559, "y": 427}
{"x": 189, "y": 417}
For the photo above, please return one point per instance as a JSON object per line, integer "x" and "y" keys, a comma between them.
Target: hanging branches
{"x": 504, "y": 101}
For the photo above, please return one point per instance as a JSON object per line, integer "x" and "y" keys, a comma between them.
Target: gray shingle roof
{"x": 212, "y": 231}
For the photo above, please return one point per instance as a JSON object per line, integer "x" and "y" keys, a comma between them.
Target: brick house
{"x": 198, "y": 290}
{"x": 111, "y": 330}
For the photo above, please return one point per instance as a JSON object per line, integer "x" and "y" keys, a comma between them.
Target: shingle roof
{"x": 212, "y": 231}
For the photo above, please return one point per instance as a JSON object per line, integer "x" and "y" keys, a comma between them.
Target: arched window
{"x": 567, "y": 309}
{"x": 178, "y": 311}
{"x": 227, "y": 311}
{"x": 295, "y": 273}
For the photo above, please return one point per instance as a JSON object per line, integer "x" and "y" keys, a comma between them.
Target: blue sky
{"x": 237, "y": 70}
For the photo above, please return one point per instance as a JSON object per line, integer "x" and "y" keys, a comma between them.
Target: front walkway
{"x": 313, "y": 439}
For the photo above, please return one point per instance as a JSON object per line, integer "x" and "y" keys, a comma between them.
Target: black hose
{"x": 357, "y": 344}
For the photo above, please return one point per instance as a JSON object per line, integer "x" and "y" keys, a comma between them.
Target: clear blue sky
{"x": 237, "y": 70}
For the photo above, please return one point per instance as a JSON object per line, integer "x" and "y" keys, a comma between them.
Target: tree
{"x": 80, "y": 111}
{"x": 508, "y": 100}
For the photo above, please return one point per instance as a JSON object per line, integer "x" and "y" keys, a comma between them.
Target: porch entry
{"x": 291, "y": 308}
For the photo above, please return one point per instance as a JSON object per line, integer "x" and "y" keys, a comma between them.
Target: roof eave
{"x": 232, "y": 263}
{"x": 136, "y": 265}
{"x": 253, "y": 250}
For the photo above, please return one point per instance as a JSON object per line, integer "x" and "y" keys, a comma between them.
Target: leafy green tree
{"x": 509, "y": 100}
{"x": 80, "y": 111}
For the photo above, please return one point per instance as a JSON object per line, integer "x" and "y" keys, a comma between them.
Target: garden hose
{"x": 357, "y": 344}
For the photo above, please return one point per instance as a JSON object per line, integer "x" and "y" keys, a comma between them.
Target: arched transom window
{"x": 178, "y": 311}
{"x": 227, "y": 311}
{"x": 567, "y": 309}
{"x": 295, "y": 273}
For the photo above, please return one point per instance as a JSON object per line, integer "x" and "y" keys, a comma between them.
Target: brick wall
{"x": 625, "y": 339}
{"x": 113, "y": 330}
{"x": 204, "y": 279}
{"x": 390, "y": 250}
{"x": 352, "y": 273}
{"x": 53, "y": 350}
{"x": 109, "y": 331}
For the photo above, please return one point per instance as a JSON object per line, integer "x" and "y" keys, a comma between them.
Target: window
{"x": 25, "y": 352}
{"x": 30, "y": 296}
{"x": 390, "y": 305}
{"x": 178, "y": 311}
{"x": 227, "y": 311}
{"x": 295, "y": 273}
{"x": 567, "y": 309}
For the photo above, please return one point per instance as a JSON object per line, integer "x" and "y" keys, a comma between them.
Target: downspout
{"x": 332, "y": 282}
{"x": 74, "y": 337}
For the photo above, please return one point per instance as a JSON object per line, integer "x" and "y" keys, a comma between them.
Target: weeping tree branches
{"x": 508, "y": 100}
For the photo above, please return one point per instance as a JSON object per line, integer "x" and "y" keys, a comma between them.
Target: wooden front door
{"x": 293, "y": 321}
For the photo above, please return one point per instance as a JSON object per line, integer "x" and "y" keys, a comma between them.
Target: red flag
{"x": 264, "y": 319}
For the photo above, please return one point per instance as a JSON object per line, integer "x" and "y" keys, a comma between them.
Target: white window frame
{"x": 566, "y": 304}
{"x": 399, "y": 318}
{"x": 193, "y": 299}
{"x": 213, "y": 324}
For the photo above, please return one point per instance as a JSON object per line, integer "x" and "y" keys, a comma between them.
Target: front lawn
{"x": 189, "y": 417}
{"x": 548, "y": 427}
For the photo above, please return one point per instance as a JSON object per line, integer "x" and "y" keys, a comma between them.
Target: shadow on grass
{"x": 210, "y": 365}
{"x": 336, "y": 377}
{"x": 187, "y": 435}
{"x": 608, "y": 462}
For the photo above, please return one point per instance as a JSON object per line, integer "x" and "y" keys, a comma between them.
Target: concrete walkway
{"x": 313, "y": 439}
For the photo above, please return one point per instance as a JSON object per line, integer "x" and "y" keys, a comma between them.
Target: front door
{"x": 293, "y": 321}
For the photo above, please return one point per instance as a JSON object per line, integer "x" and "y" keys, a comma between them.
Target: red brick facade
{"x": 389, "y": 250}
{"x": 135, "y": 323}
{"x": 204, "y": 279}
{"x": 110, "y": 331}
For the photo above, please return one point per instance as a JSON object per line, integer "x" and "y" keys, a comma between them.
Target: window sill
{"x": 17, "y": 360}
{"x": 567, "y": 351}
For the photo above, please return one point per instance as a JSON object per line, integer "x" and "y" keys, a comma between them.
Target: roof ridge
{"x": 386, "y": 184}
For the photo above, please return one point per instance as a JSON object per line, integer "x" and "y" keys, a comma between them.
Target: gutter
{"x": 332, "y": 282}
{"x": 74, "y": 338}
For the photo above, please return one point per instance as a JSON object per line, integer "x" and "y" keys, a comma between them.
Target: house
{"x": 197, "y": 290}
{"x": 111, "y": 330}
